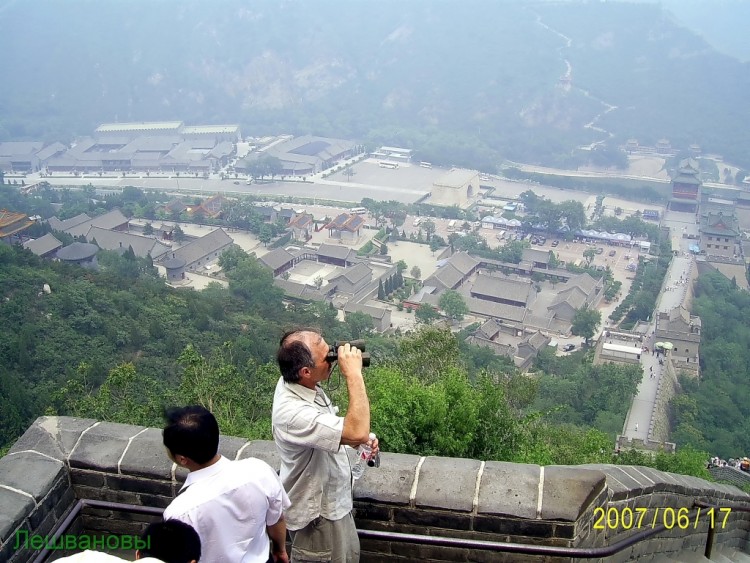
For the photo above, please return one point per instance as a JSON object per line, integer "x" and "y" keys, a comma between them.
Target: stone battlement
{"x": 60, "y": 460}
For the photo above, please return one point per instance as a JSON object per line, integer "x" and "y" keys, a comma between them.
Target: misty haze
{"x": 535, "y": 216}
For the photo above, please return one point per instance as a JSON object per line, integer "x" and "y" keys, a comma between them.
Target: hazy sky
{"x": 723, "y": 23}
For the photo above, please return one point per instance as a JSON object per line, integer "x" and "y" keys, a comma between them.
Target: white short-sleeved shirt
{"x": 315, "y": 469}
{"x": 229, "y": 504}
{"x": 99, "y": 557}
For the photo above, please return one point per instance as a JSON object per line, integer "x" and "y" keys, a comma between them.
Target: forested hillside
{"x": 466, "y": 83}
{"x": 119, "y": 345}
{"x": 714, "y": 415}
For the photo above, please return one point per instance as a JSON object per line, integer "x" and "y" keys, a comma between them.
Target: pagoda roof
{"x": 684, "y": 178}
{"x": 12, "y": 222}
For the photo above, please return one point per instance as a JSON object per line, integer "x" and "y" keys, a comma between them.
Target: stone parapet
{"x": 731, "y": 475}
{"x": 60, "y": 460}
{"x": 659, "y": 426}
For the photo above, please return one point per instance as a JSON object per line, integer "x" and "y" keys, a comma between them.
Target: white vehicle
{"x": 359, "y": 210}
{"x": 500, "y": 235}
{"x": 417, "y": 221}
{"x": 425, "y": 164}
{"x": 386, "y": 164}
{"x": 452, "y": 225}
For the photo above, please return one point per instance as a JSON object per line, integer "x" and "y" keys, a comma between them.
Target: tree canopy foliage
{"x": 713, "y": 414}
{"x": 118, "y": 344}
{"x": 585, "y": 323}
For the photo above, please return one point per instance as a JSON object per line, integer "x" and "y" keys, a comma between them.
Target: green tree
{"x": 359, "y": 324}
{"x": 240, "y": 402}
{"x": 148, "y": 229}
{"x": 381, "y": 290}
{"x": 453, "y": 305}
{"x": 265, "y": 165}
{"x": 585, "y": 323}
{"x": 426, "y": 314}
{"x": 429, "y": 227}
{"x": 589, "y": 255}
{"x": 416, "y": 272}
{"x": 388, "y": 287}
{"x": 253, "y": 283}
{"x": 126, "y": 396}
{"x": 434, "y": 244}
{"x": 231, "y": 257}
{"x": 178, "y": 233}
{"x": 266, "y": 234}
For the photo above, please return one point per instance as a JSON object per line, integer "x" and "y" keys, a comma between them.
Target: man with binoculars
{"x": 310, "y": 438}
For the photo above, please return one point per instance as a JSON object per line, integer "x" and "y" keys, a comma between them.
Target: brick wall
{"x": 731, "y": 475}
{"x": 667, "y": 388}
{"x": 60, "y": 459}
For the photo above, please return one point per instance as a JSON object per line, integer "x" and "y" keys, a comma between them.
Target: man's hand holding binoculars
{"x": 350, "y": 360}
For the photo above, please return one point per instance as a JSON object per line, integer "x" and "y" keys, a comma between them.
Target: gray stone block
{"x": 391, "y": 482}
{"x": 646, "y": 482}
{"x": 433, "y": 519}
{"x": 43, "y": 523}
{"x": 48, "y": 503}
{"x": 661, "y": 480}
{"x": 509, "y": 489}
{"x": 65, "y": 503}
{"x": 371, "y": 511}
{"x": 14, "y": 508}
{"x": 262, "y": 449}
{"x": 31, "y": 473}
{"x": 230, "y": 445}
{"x": 83, "y": 492}
{"x": 619, "y": 490}
{"x": 139, "y": 485}
{"x": 568, "y": 491}
{"x": 102, "y": 446}
{"x": 631, "y": 483}
{"x": 88, "y": 478}
{"x": 147, "y": 456}
{"x": 156, "y": 501}
{"x": 514, "y": 527}
{"x": 54, "y": 436}
{"x": 447, "y": 483}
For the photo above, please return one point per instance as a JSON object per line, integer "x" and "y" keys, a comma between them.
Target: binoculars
{"x": 333, "y": 351}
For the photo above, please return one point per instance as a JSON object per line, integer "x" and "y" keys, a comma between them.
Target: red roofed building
{"x": 213, "y": 207}
{"x": 346, "y": 227}
{"x": 302, "y": 225}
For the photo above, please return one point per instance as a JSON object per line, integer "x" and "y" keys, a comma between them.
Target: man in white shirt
{"x": 166, "y": 542}
{"x": 310, "y": 438}
{"x": 235, "y": 506}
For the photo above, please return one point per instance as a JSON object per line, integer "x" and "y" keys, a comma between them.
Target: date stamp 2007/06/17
{"x": 626, "y": 518}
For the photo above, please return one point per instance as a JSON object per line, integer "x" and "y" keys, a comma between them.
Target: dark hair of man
{"x": 171, "y": 541}
{"x": 293, "y": 354}
{"x": 192, "y": 432}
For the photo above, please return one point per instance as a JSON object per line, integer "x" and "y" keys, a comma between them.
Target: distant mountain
{"x": 722, "y": 23}
{"x": 469, "y": 82}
